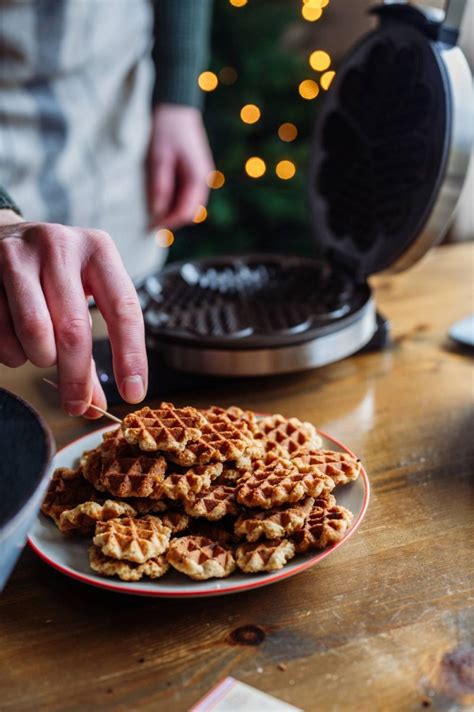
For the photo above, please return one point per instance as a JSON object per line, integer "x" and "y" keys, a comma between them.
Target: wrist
{"x": 10, "y": 217}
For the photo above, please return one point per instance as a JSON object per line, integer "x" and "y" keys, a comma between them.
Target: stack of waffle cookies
{"x": 205, "y": 492}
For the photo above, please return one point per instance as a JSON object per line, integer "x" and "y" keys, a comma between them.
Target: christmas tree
{"x": 262, "y": 91}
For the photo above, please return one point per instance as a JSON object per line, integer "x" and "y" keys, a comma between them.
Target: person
{"x": 100, "y": 128}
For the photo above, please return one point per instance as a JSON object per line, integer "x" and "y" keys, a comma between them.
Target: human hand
{"x": 47, "y": 272}
{"x": 179, "y": 163}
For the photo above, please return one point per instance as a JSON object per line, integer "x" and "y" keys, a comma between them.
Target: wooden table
{"x": 384, "y": 624}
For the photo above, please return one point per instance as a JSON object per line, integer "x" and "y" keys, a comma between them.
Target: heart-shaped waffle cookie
{"x": 132, "y": 539}
{"x": 281, "y": 481}
{"x": 126, "y": 570}
{"x": 325, "y": 525}
{"x": 166, "y": 429}
{"x": 200, "y": 558}
{"x": 264, "y": 555}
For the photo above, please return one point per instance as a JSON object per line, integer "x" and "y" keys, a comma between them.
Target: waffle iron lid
{"x": 380, "y": 145}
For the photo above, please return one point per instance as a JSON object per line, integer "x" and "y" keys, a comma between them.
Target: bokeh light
{"x": 285, "y": 169}
{"x": 215, "y": 179}
{"x": 207, "y": 81}
{"x": 287, "y": 132}
{"x": 164, "y": 237}
{"x": 310, "y": 13}
{"x": 308, "y": 89}
{"x": 228, "y": 75}
{"x": 316, "y": 3}
{"x": 201, "y": 214}
{"x": 250, "y": 114}
{"x": 238, "y": 3}
{"x": 326, "y": 79}
{"x": 319, "y": 60}
{"x": 255, "y": 167}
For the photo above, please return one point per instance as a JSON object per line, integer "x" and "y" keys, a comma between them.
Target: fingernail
{"x": 76, "y": 407}
{"x": 133, "y": 389}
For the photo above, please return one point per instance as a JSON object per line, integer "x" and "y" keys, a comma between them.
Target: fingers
{"x": 11, "y": 352}
{"x": 191, "y": 192}
{"x": 117, "y": 300}
{"x": 161, "y": 186}
{"x": 70, "y": 316}
{"x": 27, "y": 306}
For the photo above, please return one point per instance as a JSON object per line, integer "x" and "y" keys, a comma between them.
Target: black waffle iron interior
{"x": 377, "y": 161}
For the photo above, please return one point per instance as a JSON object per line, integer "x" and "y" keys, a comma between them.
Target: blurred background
{"x": 271, "y": 63}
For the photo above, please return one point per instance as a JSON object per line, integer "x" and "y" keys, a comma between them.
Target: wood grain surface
{"x": 386, "y": 623}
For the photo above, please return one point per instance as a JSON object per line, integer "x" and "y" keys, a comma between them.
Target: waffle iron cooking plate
{"x": 390, "y": 153}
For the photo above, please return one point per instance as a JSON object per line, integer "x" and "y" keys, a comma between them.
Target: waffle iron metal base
{"x": 255, "y": 315}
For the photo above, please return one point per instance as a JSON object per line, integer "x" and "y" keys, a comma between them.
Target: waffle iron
{"x": 389, "y": 156}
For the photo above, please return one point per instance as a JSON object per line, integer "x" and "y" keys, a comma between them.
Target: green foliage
{"x": 265, "y": 214}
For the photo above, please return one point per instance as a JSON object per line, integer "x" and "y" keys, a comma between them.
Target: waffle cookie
{"x": 274, "y": 523}
{"x": 280, "y": 482}
{"x": 166, "y": 429}
{"x": 340, "y": 466}
{"x": 264, "y": 555}
{"x": 221, "y": 440}
{"x": 83, "y": 518}
{"x": 137, "y": 476}
{"x": 194, "y": 480}
{"x": 200, "y": 558}
{"x": 126, "y": 570}
{"x": 67, "y": 489}
{"x": 285, "y": 436}
{"x": 213, "y": 504}
{"x": 247, "y": 418}
{"x": 132, "y": 539}
{"x": 324, "y": 526}
{"x": 176, "y": 521}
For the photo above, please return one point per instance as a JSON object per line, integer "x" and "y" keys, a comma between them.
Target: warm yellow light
{"x": 287, "y": 132}
{"x": 285, "y": 170}
{"x": 201, "y": 214}
{"x": 228, "y": 75}
{"x": 311, "y": 14}
{"x": 215, "y": 179}
{"x": 316, "y": 3}
{"x": 319, "y": 60}
{"x": 250, "y": 114}
{"x": 207, "y": 81}
{"x": 238, "y": 3}
{"x": 164, "y": 237}
{"x": 326, "y": 79}
{"x": 255, "y": 167}
{"x": 308, "y": 89}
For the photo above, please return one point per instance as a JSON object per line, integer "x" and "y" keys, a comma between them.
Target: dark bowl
{"x": 26, "y": 450}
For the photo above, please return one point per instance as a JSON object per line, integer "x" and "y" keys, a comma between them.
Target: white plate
{"x": 70, "y": 555}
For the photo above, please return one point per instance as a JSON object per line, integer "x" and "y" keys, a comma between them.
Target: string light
{"x": 250, "y": 114}
{"x": 285, "y": 169}
{"x": 308, "y": 89}
{"x": 201, "y": 214}
{"x": 164, "y": 237}
{"x": 287, "y": 132}
{"x": 215, "y": 179}
{"x": 238, "y": 3}
{"x": 228, "y": 75}
{"x": 319, "y": 60}
{"x": 311, "y": 14}
{"x": 326, "y": 79}
{"x": 207, "y": 81}
{"x": 255, "y": 167}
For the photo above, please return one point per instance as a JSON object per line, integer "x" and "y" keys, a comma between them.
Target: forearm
{"x": 181, "y": 49}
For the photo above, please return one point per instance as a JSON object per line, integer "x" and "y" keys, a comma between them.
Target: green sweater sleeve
{"x": 6, "y": 203}
{"x": 181, "y": 49}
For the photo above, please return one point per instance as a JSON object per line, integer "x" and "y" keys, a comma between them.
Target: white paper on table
{"x": 230, "y": 695}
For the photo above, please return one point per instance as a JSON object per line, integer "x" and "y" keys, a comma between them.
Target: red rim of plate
{"x": 272, "y": 578}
